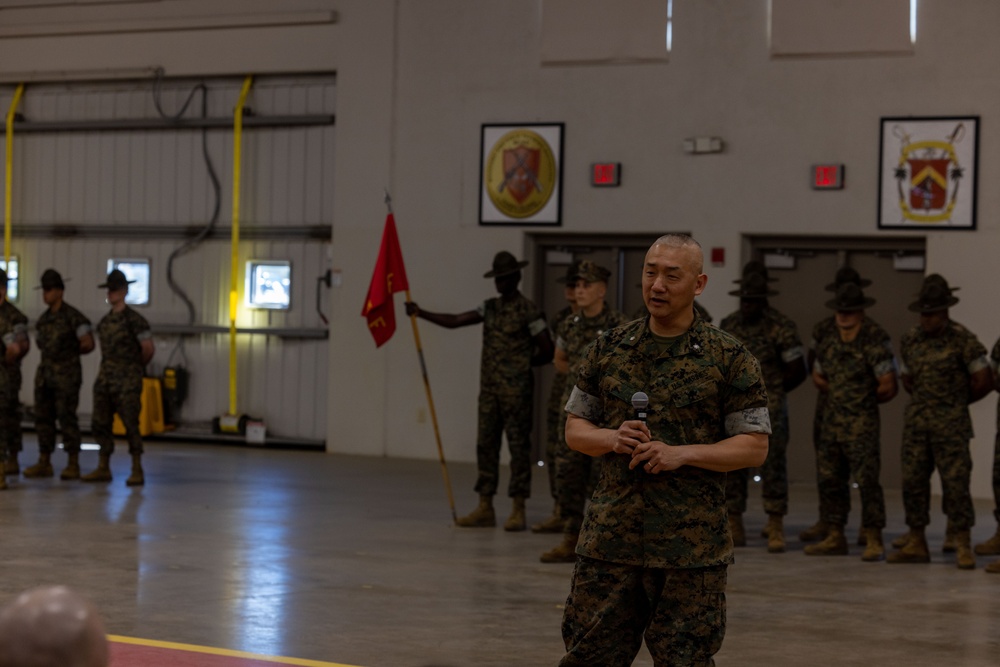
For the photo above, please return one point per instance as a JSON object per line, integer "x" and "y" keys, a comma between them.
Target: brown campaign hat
{"x": 754, "y": 286}
{"x": 51, "y": 280}
{"x": 846, "y": 274}
{"x": 503, "y": 264}
{"x": 755, "y": 266}
{"x": 933, "y": 297}
{"x": 938, "y": 279}
{"x": 116, "y": 280}
{"x": 850, "y": 298}
{"x": 592, "y": 272}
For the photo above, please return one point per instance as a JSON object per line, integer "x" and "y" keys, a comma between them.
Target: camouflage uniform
{"x": 848, "y": 424}
{"x": 506, "y": 387}
{"x": 654, "y": 549}
{"x": 641, "y": 312}
{"x": 995, "y": 362}
{"x": 13, "y": 325}
{"x": 554, "y": 415}
{"x": 58, "y": 378}
{"x": 938, "y": 427}
{"x": 774, "y": 340}
{"x": 118, "y": 387}
{"x": 573, "y": 469}
{"x": 870, "y": 330}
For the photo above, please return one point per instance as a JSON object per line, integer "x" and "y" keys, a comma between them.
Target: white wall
{"x": 462, "y": 64}
{"x": 415, "y": 81}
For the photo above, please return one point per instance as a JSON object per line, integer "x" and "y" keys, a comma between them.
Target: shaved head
{"x": 687, "y": 242}
{"x": 52, "y": 627}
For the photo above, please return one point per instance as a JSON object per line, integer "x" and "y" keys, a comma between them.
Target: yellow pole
{"x": 434, "y": 419}
{"x": 9, "y": 173}
{"x": 235, "y": 278}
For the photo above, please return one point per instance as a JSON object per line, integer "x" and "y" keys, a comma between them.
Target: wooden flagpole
{"x": 430, "y": 397}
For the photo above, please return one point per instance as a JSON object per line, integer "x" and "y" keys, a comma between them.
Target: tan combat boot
{"x": 516, "y": 521}
{"x": 736, "y": 530}
{"x": 948, "y": 546}
{"x": 914, "y": 551}
{"x": 136, "y": 478}
{"x": 554, "y": 524}
{"x": 990, "y": 547}
{"x": 874, "y": 549}
{"x": 815, "y": 532}
{"x": 963, "y": 551}
{"x": 903, "y": 539}
{"x": 834, "y": 544}
{"x": 993, "y": 568}
{"x": 72, "y": 469}
{"x": 775, "y": 533}
{"x": 11, "y": 466}
{"x": 41, "y": 469}
{"x": 481, "y": 517}
{"x": 565, "y": 552}
{"x": 102, "y": 473}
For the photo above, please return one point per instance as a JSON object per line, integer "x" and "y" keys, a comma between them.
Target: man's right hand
{"x": 629, "y": 435}
{"x": 412, "y": 308}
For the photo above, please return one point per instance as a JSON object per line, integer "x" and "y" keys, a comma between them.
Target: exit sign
{"x": 606, "y": 174}
{"x": 828, "y": 177}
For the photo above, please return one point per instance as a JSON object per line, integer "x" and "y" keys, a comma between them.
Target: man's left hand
{"x": 656, "y": 457}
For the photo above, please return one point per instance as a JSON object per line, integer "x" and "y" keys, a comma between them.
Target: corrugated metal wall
{"x": 153, "y": 185}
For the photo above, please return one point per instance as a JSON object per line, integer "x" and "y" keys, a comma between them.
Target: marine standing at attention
{"x": 773, "y": 338}
{"x": 63, "y": 334}
{"x": 126, "y": 348}
{"x": 14, "y": 344}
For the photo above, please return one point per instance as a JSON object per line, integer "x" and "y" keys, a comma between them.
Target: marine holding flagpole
{"x": 515, "y": 338}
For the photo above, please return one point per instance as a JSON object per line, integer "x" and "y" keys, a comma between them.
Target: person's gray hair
{"x": 675, "y": 240}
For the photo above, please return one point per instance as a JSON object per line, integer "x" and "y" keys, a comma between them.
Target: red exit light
{"x": 828, "y": 177}
{"x": 606, "y": 174}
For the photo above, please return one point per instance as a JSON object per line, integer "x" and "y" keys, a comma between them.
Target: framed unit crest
{"x": 520, "y": 174}
{"x": 928, "y": 168}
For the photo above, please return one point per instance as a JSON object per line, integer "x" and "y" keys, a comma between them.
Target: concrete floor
{"x": 354, "y": 560}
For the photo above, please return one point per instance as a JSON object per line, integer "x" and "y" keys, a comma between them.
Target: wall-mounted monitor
{"x": 12, "y": 278}
{"x": 136, "y": 270}
{"x": 269, "y": 284}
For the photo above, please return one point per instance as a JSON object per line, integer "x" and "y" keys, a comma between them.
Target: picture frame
{"x": 520, "y": 174}
{"x": 928, "y": 173}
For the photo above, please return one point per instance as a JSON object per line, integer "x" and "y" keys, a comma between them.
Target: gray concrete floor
{"x": 354, "y": 560}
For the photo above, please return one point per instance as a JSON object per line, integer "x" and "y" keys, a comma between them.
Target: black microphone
{"x": 639, "y": 402}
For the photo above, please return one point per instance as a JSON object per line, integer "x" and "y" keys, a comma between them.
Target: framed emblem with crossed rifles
{"x": 928, "y": 172}
{"x": 520, "y": 176}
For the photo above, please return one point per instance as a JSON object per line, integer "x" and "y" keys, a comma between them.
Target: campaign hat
{"x": 504, "y": 263}
{"x": 116, "y": 281}
{"x": 51, "y": 280}
{"x": 847, "y": 274}
{"x": 754, "y": 286}
{"x": 934, "y": 297}
{"x": 850, "y": 298}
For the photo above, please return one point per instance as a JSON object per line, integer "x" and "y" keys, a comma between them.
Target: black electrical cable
{"x": 216, "y": 188}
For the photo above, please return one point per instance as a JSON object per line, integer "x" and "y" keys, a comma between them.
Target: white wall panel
{"x": 158, "y": 178}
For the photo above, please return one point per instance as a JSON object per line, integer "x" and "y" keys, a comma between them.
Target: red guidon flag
{"x": 389, "y": 277}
